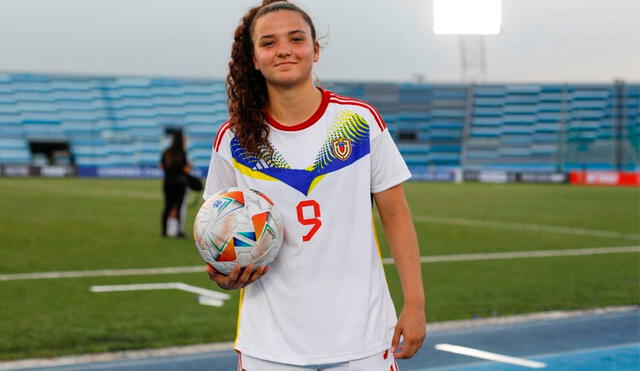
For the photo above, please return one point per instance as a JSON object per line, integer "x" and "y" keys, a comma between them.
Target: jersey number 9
{"x": 313, "y": 221}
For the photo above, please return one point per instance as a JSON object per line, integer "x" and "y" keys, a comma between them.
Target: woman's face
{"x": 283, "y": 48}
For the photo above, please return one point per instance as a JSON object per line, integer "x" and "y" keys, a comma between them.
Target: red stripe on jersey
{"x": 385, "y": 354}
{"x": 223, "y": 129}
{"x": 344, "y": 100}
{"x": 371, "y": 108}
{"x": 239, "y": 361}
{"x": 310, "y": 121}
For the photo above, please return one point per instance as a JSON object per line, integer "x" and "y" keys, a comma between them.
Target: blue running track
{"x": 584, "y": 343}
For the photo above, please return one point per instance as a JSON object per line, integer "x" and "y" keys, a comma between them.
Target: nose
{"x": 284, "y": 53}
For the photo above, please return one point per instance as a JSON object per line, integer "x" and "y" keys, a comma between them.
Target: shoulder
{"x": 223, "y": 134}
{"x": 360, "y": 106}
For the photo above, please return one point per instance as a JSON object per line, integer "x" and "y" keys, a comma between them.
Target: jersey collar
{"x": 310, "y": 121}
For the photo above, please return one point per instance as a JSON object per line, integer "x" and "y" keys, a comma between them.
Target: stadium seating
{"x": 426, "y": 121}
{"x": 124, "y": 121}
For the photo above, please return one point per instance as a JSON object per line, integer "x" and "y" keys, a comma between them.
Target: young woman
{"x": 323, "y": 159}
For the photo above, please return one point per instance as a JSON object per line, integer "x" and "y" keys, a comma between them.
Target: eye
{"x": 297, "y": 39}
{"x": 266, "y": 43}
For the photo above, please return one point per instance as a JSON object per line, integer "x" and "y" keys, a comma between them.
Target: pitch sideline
{"x": 423, "y": 259}
{"x": 529, "y": 227}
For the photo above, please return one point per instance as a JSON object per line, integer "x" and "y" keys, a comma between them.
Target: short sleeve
{"x": 220, "y": 176}
{"x": 388, "y": 168}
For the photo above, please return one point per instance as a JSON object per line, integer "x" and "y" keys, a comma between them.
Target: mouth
{"x": 285, "y": 64}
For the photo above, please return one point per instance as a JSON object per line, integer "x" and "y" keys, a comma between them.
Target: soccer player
{"x": 323, "y": 159}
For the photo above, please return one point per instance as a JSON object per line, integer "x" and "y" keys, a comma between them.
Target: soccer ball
{"x": 238, "y": 226}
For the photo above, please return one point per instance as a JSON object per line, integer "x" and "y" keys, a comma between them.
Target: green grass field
{"x": 88, "y": 224}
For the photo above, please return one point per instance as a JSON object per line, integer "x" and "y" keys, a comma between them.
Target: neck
{"x": 293, "y": 105}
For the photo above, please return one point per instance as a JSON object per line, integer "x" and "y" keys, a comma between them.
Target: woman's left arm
{"x": 403, "y": 243}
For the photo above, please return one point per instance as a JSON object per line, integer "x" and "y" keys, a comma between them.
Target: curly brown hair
{"x": 246, "y": 87}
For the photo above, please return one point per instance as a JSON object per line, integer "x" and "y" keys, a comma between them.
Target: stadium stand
{"x": 425, "y": 120}
{"x": 95, "y": 122}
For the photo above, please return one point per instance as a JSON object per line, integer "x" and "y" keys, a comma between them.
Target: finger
{"x": 264, "y": 271}
{"x": 409, "y": 348}
{"x": 258, "y": 273}
{"x": 212, "y": 276}
{"x": 395, "y": 341}
{"x": 404, "y": 351}
{"x": 417, "y": 348}
{"x": 255, "y": 274}
{"x": 246, "y": 274}
{"x": 233, "y": 275}
{"x": 211, "y": 271}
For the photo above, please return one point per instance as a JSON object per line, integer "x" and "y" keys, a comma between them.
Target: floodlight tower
{"x": 471, "y": 21}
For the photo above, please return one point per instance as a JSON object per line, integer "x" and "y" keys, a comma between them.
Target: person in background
{"x": 175, "y": 165}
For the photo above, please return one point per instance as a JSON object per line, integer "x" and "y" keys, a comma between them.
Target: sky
{"x": 362, "y": 40}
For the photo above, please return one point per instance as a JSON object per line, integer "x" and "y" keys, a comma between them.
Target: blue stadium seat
{"x": 110, "y": 121}
{"x": 15, "y": 156}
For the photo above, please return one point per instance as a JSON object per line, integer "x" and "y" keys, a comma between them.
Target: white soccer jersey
{"x": 325, "y": 298}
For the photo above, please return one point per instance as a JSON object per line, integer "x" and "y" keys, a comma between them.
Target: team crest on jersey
{"x": 341, "y": 148}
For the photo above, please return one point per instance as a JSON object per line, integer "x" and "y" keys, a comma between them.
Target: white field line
{"x": 122, "y": 355}
{"x": 525, "y": 227}
{"x": 161, "y": 286}
{"x": 467, "y": 324}
{"x": 207, "y": 297}
{"x": 489, "y": 356}
{"x": 102, "y": 273}
{"x": 423, "y": 259}
{"x": 523, "y": 254}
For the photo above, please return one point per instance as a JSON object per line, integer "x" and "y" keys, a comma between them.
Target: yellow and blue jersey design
{"x": 347, "y": 141}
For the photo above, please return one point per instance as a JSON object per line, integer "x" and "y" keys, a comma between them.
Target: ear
{"x": 316, "y": 51}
